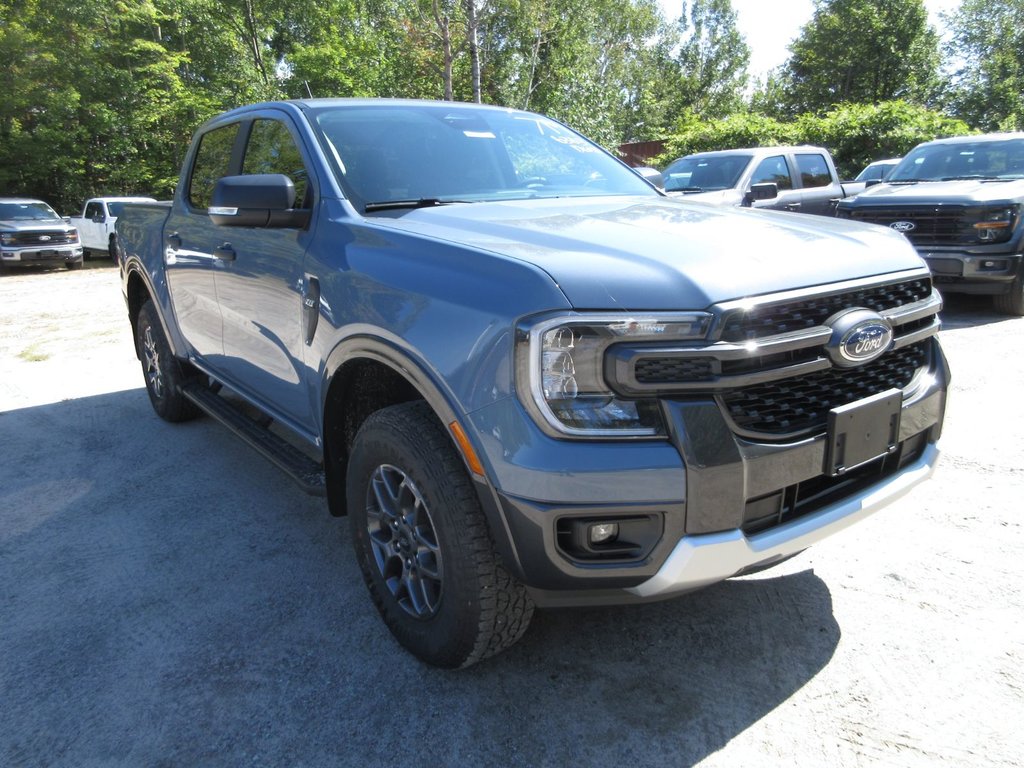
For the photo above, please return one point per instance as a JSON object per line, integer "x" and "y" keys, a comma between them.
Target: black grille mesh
{"x": 667, "y": 370}
{"x": 797, "y": 315}
{"x": 947, "y": 225}
{"x": 802, "y": 403}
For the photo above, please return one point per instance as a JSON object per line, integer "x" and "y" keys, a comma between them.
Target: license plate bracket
{"x": 863, "y": 431}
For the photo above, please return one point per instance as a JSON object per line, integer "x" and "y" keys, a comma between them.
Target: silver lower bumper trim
{"x": 698, "y": 561}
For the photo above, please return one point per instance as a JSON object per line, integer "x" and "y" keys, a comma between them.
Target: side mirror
{"x": 652, "y": 175}
{"x": 767, "y": 191}
{"x": 99, "y": 218}
{"x": 256, "y": 200}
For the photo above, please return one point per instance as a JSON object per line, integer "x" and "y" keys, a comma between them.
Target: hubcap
{"x": 151, "y": 361}
{"x": 404, "y": 542}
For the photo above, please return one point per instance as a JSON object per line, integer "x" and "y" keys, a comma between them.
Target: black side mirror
{"x": 767, "y": 191}
{"x": 256, "y": 200}
{"x": 99, "y": 218}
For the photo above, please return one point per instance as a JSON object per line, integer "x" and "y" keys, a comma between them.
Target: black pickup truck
{"x": 959, "y": 202}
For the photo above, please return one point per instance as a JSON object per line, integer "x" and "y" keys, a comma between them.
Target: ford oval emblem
{"x": 903, "y": 226}
{"x": 858, "y": 336}
{"x": 44, "y": 239}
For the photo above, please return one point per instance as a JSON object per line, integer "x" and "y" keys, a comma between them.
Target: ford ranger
{"x": 959, "y": 202}
{"x": 527, "y": 376}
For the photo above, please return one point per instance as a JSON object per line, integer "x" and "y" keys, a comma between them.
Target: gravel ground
{"x": 168, "y": 598}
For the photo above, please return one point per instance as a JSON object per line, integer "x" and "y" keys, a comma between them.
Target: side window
{"x": 92, "y": 210}
{"x": 213, "y": 161}
{"x": 773, "y": 169}
{"x": 813, "y": 171}
{"x": 271, "y": 149}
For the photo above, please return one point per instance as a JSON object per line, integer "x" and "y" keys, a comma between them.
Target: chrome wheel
{"x": 404, "y": 541}
{"x": 151, "y": 363}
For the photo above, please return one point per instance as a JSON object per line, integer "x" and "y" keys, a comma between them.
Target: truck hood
{"x": 643, "y": 253}
{"x": 941, "y": 192}
{"x": 34, "y": 225}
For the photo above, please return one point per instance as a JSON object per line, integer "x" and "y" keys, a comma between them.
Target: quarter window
{"x": 213, "y": 161}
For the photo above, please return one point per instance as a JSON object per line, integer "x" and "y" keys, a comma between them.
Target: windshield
{"x": 27, "y": 212}
{"x": 696, "y": 173}
{"x": 963, "y": 160}
{"x": 432, "y": 154}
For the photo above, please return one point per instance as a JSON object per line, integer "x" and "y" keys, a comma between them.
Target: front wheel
{"x": 75, "y": 264}
{"x": 164, "y": 374}
{"x": 423, "y": 545}
{"x": 1011, "y": 303}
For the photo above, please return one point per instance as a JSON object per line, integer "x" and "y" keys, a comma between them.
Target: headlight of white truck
{"x": 560, "y": 371}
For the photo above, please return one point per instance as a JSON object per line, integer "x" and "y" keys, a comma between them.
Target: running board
{"x": 306, "y": 472}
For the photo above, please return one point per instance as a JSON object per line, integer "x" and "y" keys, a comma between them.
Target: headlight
{"x": 560, "y": 371}
{"x": 996, "y": 224}
{"x": 7, "y": 238}
{"x": 73, "y": 236}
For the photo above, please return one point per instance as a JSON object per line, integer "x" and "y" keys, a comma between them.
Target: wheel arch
{"x": 365, "y": 374}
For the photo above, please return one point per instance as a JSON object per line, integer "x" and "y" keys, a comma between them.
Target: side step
{"x": 298, "y": 466}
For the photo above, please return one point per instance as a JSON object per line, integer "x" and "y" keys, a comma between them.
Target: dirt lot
{"x": 169, "y": 598}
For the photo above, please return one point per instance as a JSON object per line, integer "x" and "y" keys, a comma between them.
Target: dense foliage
{"x": 101, "y": 96}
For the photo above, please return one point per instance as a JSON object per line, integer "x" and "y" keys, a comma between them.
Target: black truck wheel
{"x": 164, "y": 374}
{"x": 423, "y": 545}
{"x": 1011, "y": 303}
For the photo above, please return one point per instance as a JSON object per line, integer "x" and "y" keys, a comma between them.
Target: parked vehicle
{"x": 800, "y": 179}
{"x": 32, "y": 234}
{"x": 959, "y": 202}
{"x": 526, "y": 375}
{"x": 96, "y": 224}
{"x": 878, "y": 170}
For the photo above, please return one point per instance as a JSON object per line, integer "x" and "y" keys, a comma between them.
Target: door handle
{"x": 792, "y": 206}
{"x": 174, "y": 241}
{"x": 225, "y": 252}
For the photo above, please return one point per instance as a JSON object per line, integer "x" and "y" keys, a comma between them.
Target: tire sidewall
{"x": 446, "y": 638}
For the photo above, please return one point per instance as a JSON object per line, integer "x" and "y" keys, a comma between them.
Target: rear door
{"x": 192, "y": 242}
{"x": 818, "y": 186}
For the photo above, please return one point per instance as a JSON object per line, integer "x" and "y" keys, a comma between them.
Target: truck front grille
{"x": 803, "y": 403}
{"x": 771, "y": 368}
{"x": 43, "y": 239}
{"x": 934, "y": 225}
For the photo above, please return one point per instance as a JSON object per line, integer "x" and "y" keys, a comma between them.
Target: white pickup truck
{"x": 96, "y": 224}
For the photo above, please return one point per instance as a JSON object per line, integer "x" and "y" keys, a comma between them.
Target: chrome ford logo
{"x": 858, "y": 336}
{"x": 44, "y": 239}
{"x": 903, "y": 226}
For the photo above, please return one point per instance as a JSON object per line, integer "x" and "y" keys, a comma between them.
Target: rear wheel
{"x": 423, "y": 545}
{"x": 112, "y": 248}
{"x": 1011, "y": 303}
{"x": 164, "y": 374}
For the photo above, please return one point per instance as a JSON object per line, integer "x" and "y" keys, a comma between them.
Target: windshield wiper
{"x": 971, "y": 177}
{"x": 686, "y": 189}
{"x": 395, "y": 205}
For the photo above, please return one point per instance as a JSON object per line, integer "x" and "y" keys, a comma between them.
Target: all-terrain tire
{"x": 423, "y": 545}
{"x": 75, "y": 264}
{"x": 165, "y": 376}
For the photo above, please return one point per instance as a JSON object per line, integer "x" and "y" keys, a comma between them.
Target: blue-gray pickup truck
{"x": 527, "y": 376}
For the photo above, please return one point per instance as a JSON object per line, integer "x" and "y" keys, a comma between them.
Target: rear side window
{"x": 813, "y": 171}
{"x": 773, "y": 170}
{"x": 272, "y": 149}
{"x": 213, "y": 161}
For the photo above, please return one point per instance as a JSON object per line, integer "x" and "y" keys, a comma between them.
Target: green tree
{"x": 862, "y": 51}
{"x": 987, "y": 45}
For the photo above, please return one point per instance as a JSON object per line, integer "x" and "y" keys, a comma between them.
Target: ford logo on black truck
{"x": 903, "y": 226}
{"x": 858, "y": 336}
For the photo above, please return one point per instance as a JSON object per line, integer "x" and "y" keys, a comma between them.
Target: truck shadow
{"x": 164, "y": 581}
{"x": 964, "y": 311}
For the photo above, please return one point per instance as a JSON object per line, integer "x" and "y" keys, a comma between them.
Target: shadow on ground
{"x": 168, "y": 598}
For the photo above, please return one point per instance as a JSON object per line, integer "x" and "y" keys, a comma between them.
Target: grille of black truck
{"x": 771, "y": 367}
{"x": 935, "y": 225}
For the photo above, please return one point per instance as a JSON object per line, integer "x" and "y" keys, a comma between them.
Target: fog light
{"x": 601, "y": 533}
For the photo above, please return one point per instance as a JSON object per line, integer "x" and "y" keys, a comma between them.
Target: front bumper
{"x": 706, "y": 489}
{"x": 35, "y": 256}
{"x": 975, "y": 272}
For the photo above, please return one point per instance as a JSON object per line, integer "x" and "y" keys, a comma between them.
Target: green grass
{"x": 33, "y": 354}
